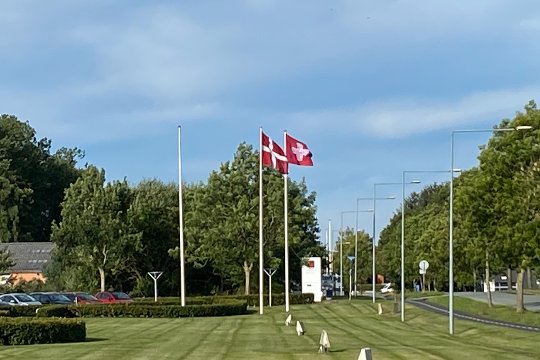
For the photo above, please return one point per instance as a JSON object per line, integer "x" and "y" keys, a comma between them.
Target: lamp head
{"x": 523, "y": 127}
{"x": 415, "y": 182}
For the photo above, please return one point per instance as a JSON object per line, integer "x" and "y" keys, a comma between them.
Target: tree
{"x": 5, "y": 260}
{"x": 33, "y": 181}
{"x": 222, "y": 227}
{"x": 154, "y": 214}
{"x": 95, "y": 233}
{"x": 476, "y": 224}
{"x": 508, "y": 164}
{"x": 426, "y": 234}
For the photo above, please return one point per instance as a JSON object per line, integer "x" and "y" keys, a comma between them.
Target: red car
{"x": 114, "y": 297}
{"x": 82, "y": 298}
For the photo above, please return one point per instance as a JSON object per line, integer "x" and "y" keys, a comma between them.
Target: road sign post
{"x": 423, "y": 265}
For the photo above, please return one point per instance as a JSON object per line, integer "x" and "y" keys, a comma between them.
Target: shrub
{"x": 63, "y": 311}
{"x": 24, "y": 331}
{"x": 163, "y": 311}
{"x": 252, "y": 300}
{"x": 19, "y": 311}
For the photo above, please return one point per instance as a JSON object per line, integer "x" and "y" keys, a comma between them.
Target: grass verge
{"x": 350, "y": 326}
{"x": 497, "y": 312}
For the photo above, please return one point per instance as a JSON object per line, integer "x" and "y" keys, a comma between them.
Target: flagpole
{"x": 181, "y": 224}
{"x": 286, "y": 206}
{"x": 261, "y": 263}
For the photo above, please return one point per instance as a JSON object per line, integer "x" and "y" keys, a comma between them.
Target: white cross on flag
{"x": 273, "y": 155}
{"x": 297, "y": 152}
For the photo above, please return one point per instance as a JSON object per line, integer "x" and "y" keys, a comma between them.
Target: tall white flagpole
{"x": 181, "y": 224}
{"x": 261, "y": 263}
{"x": 286, "y": 206}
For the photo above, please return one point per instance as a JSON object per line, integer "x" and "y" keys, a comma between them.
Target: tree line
{"x": 109, "y": 234}
{"x": 496, "y": 216}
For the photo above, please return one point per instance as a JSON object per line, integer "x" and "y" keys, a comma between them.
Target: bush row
{"x": 231, "y": 307}
{"x": 252, "y": 300}
{"x": 24, "y": 331}
{"x": 163, "y": 311}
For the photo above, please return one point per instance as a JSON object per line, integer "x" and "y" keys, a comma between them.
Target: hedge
{"x": 19, "y": 311}
{"x": 162, "y": 311}
{"x": 24, "y": 331}
{"x": 252, "y": 300}
{"x": 64, "y": 311}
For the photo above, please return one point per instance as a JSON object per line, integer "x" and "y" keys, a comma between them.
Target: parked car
{"x": 387, "y": 288}
{"x": 113, "y": 297}
{"x": 82, "y": 298}
{"x": 19, "y": 299}
{"x": 51, "y": 298}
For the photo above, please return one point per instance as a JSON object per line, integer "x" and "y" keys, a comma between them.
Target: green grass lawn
{"x": 350, "y": 325}
{"x": 498, "y": 312}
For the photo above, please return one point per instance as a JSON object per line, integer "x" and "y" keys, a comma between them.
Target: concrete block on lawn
{"x": 365, "y": 354}
{"x": 324, "y": 342}
{"x": 300, "y": 330}
{"x": 288, "y": 321}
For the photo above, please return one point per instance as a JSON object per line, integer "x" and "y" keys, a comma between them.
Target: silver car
{"x": 19, "y": 299}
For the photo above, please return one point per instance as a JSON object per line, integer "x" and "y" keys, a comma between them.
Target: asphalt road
{"x": 531, "y": 302}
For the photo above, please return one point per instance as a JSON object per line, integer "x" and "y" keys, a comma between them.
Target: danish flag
{"x": 273, "y": 156}
{"x": 297, "y": 152}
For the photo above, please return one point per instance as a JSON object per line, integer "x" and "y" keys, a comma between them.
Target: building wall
{"x": 17, "y": 277}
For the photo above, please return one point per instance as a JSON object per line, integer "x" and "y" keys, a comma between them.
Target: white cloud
{"x": 403, "y": 117}
{"x": 180, "y": 61}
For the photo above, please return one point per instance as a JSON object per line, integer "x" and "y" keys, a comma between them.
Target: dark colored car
{"x": 113, "y": 297}
{"x": 82, "y": 298}
{"x": 51, "y": 298}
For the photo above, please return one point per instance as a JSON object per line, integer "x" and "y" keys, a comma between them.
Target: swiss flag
{"x": 273, "y": 156}
{"x": 297, "y": 152}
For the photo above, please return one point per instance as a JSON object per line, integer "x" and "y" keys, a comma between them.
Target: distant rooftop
{"x": 29, "y": 256}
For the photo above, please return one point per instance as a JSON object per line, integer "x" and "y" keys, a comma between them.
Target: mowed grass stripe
{"x": 350, "y": 325}
{"x": 358, "y": 326}
{"x": 146, "y": 338}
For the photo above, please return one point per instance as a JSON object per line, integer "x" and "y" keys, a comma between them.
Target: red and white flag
{"x": 273, "y": 155}
{"x": 297, "y": 152}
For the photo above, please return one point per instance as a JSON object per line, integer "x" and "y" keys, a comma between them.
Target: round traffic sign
{"x": 424, "y": 265}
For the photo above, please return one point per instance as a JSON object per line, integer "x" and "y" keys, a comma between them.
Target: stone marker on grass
{"x": 288, "y": 321}
{"x": 365, "y": 354}
{"x": 300, "y": 328}
{"x": 324, "y": 342}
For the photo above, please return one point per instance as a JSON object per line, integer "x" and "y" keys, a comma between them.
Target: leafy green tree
{"x": 222, "y": 228}
{"x": 154, "y": 214}
{"x": 5, "y": 260}
{"x": 426, "y": 237}
{"x": 476, "y": 225}
{"x": 95, "y": 234}
{"x": 364, "y": 257}
{"x": 33, "y": 181}
{"x": 507, "y": 165}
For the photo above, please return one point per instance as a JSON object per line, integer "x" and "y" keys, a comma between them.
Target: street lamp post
{"x": 341, "y": 251}
{"x": 330, "y": 254}
{"x": 403, "y": 232}
{"x": 356, "y": 239}
{"x": 451, "y": 219}
{"x": 351, "y": 259}
{"x": 374, "y": 279}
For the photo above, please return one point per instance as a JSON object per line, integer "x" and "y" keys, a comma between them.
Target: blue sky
{"x": 373, "y": 87}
